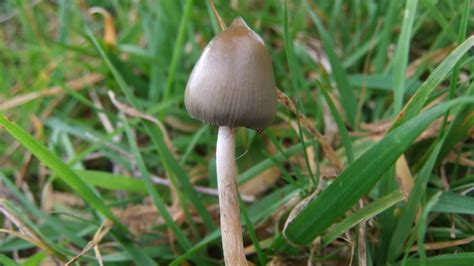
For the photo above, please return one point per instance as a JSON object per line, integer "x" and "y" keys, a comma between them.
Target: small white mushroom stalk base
{"x": 231, "y": 231}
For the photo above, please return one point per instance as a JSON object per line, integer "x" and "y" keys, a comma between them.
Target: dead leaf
{"x": 461, "y": 159}
{"x": 66, "y": 199}
{"x": 130, "y": 111}
{"x": 110, "y": 38}
{"x": 139, "y": 218}
{"x": 404, "y": 176}
{"x": 445, "y": 244}
{"x": 263, "y": 181}
{"x": 316, "y": 52}
{"x": 180, "y": 125}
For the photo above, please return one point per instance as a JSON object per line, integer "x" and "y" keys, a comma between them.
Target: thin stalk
{"x": 231, "y": 231}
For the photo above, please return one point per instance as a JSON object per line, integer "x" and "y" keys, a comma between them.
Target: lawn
{"x": 368, "y": 161}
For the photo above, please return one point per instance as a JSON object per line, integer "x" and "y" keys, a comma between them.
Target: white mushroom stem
{"x": 231, "y": 231}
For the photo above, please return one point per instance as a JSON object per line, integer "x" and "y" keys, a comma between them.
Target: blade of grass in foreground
{"x": 409, "y": 213}
{"x": 60, "y": 168}
{"x": 418, "y": 100}
{"x": 74, "y": 181}
{"x": 4, "y": 260}
{"x": 405, "y": 222}
{"x": 359, "y": 177}
{"x": 369, "y": 211}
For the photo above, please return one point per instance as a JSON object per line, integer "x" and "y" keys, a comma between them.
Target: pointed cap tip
{"x": 238, "y": 22}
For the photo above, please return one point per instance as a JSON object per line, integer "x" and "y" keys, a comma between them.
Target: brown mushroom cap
{"x": 232, "y": 84}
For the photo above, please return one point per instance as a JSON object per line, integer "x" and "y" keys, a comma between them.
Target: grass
{"x": 380, "y": 79}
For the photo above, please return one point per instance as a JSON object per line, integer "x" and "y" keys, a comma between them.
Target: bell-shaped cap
{"x": 232, "y": 84}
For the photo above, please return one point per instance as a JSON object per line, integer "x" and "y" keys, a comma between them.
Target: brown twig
{"x": 25, "y": 232}
{"x": 445, "y": 244}
{"x": 306, "y": 123}
{"x": 110, "y": 35}
{"x": 362, "y": 246}
{"x": 204, "y": 190}
{"x": 218, "y": 17}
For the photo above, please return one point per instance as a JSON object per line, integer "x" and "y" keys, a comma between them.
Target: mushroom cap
{"x": 232, "y": 83}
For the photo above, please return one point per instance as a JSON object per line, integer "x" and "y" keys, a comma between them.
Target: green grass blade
{"x": 69, "y": 177}
{"x": 459, "y": 127}
{"x": 267, "y": 163}
{"x": 34, "y": 260}
{"x": 458, "y": 259}
{"x": 157, "y": 200}
{"x": 60, "y": 169}
{"x": 359, "y": 178}
{"x": 178, "y": 50}
{"x": 401, "y": 55}
{"x": 369, "y": 211}
{"x": 457, "y": 69}
{"x": 269, "y": 204}
{"x": 193, "y": 143}
{"x": 423, "y": 224}
{"x": 381, "y": 82}
{"x": 453, "y": 203}
{"x": 176, "y": 171}
{"x": 213, "y": 236}
{"x": 392, "y": 10}
{"x": 402, "y": 230}
{"x": 52, "y": 221}
{"x": 404, "y": 224}
{"x": 348, "y": 98}
{"x": 253, "y": 236}
{"x": 137, "y": 254}
{"x": 290, "y": 54}
{"x": 122, "y": 84}
{"x": 112, "y": 182}
{"x": 345, "y": 137}
{"x": 169, "y": 162}
{"x": 18, "y": 215}
{"x": 4, "y": 260}
{"x": 421, "y": 96}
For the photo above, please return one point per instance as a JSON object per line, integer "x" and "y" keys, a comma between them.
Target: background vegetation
{"x": 96, "y": 145}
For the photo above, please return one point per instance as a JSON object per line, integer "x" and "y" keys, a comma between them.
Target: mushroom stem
{"x": 231, "y": 231}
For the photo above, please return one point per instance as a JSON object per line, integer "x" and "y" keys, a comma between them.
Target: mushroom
{"x": 232, "y": 85}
